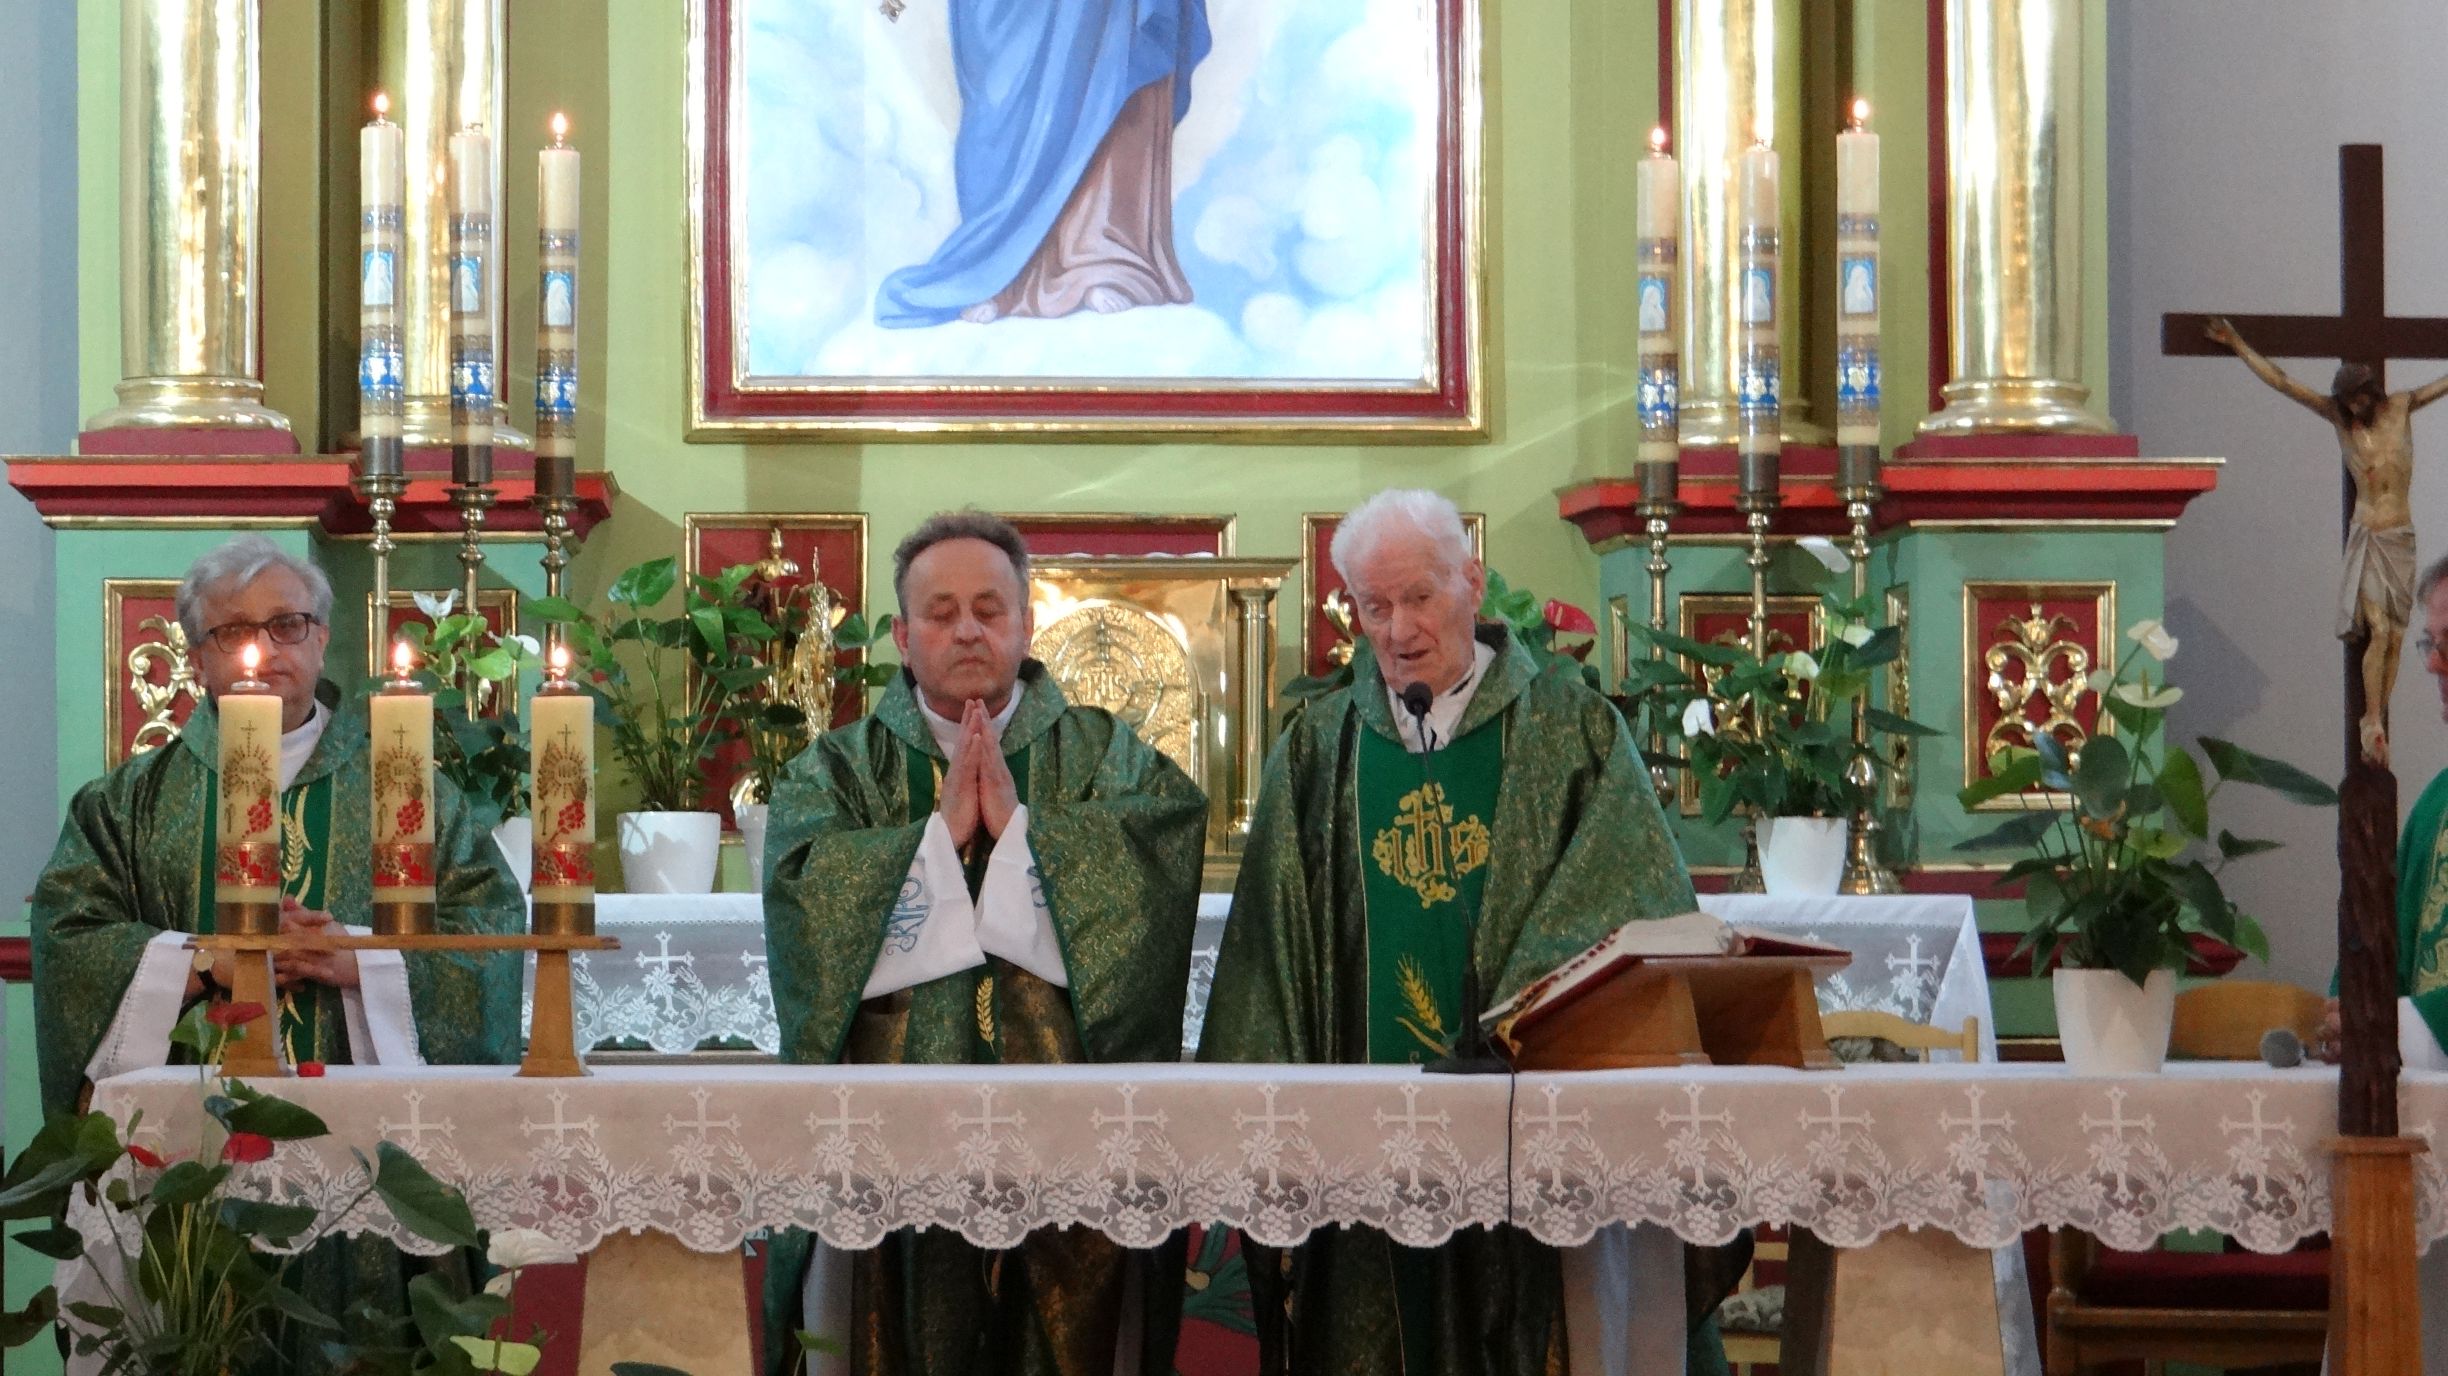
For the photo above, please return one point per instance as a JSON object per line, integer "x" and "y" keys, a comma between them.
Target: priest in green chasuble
{"x": 132, "y": 875}
{"x": 1411, "y": 864}
{"x": 980, "y": 873}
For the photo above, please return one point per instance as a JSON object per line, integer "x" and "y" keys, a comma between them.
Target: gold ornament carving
{"x": 2035, "y": 643}
{"x": 1426, "y": 849}
{"x": 1114, "y": 656}
{"x": 165, "y": 653}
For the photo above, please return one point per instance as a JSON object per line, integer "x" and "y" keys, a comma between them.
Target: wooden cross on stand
{"x": 2362, "y": 332}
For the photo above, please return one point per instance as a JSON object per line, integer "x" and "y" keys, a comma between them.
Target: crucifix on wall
{"x": 2375, "y": 441}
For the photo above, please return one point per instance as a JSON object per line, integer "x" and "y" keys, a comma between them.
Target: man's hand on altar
{"x": 998, "y": 796}
{"x": 959, "y": 799}
{"x": 290, "y": 968}
{"x": 2332, "y": 1033}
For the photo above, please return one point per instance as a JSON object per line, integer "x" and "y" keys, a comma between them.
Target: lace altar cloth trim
{"x": 710, "y": 1157}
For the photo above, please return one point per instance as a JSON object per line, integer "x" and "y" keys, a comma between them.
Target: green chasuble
{"x": 1343, "y": 867}
{"x": 132, "y": 862}
{"x": 1117, "y": 833}
{"x": 2422, "y": 909}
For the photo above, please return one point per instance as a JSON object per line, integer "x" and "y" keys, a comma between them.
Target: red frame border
{"x": 1454, "y": 405}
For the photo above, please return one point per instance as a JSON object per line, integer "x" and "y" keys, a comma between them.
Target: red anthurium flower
{"x": 1569, "y": 619}
{"x": 233, "y": 1014}
{"x": 312, "y": 1070}
{"x": 246, "y": 1148}
{"x": 146, "y": 1157}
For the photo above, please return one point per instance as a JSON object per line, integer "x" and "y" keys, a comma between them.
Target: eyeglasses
{"x": 288, "y": 628}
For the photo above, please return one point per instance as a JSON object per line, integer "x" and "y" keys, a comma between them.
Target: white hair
{"x": 1365, "y": 526}
{"x": 234, "y": 565}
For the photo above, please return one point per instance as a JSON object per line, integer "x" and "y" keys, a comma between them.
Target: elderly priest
{"x": 1451, "y": 826}
{"x": 981, "y": 873}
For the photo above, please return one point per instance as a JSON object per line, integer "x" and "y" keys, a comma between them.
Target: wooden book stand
{"x": 1676, "y": 1011}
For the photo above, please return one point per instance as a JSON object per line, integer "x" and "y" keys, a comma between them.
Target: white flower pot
{"x": 752, "y": 841}
{"x": 670, "y": 852}
{"x": 516, "y": 838}
{"x": 1802, "y": 857}
{"x": 2110, "y": 1026}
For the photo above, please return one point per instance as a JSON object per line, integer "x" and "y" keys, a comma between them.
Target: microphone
{"x": 2281, "y": 1048}
{"x": 1416, "y": 698}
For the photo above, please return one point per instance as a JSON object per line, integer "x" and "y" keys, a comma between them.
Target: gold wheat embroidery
{"x": 1425, "y": 1022}
{"x": 985, "y": 1010}
{"x": 294, "y": 846}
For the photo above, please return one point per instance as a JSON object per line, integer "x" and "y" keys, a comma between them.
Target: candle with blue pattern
{"x": 1857, "y": 303}
{"x": 472, "y": 278}
{"x": 1758, "y": 395}
{"x": 381, "y": 197}
{"x": 556, "y": 375}
{"x": 1658, "y": 212}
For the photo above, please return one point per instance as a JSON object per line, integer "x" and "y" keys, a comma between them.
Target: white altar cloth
{"x": 711, "y": 1155}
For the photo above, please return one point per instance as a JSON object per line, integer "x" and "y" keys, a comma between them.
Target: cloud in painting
{"x": 1301, "y": 187}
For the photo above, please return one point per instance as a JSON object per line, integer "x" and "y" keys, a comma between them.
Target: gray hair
{"x": 234, "y": 565}
{"x": 1400, "y": 508}
{"x": 2431, "y": 578}
{"x": 968, "y": 523}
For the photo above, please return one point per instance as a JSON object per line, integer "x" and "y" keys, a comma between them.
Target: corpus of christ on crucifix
{"x": 1114, "y": 711}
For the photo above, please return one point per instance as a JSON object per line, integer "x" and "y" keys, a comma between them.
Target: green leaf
{"x": 822, "y": 1345}
{"x": 2020, "y": 832}
{"x": 708, "y": 623}
{"x": 2234, "y": 847}
{"x": 186, "y": 1182}
{"x": 43, "y": 1193}
{"x": 553, "y": 609}
{"x": 2052, "y": 753}
{"x": 2157, "y": 844}
{"x": 2015, "y": 773}
{"x": 61, "y": 1243}
{"x": 96, "y": 1315}
{"x": 2250, "y": 939}
{"x": 2199, "y": 889}
{"x": 192, "y": 1031}
{"x": 274, "y": 1223}
{"x": 423, "y": 1205}
{"x": 493, "y": 665}
{"x": 2180, "y": 784}
{"x": 2238, "y": 765}
{"x": 509, "y": 1358}
{"x": 2102, "y": 777}
{"x": 272, "y": 1116}
{"x": 21, "y": 1326}
{"x": 294, "y": 1307}
{"x": 645, "y": 584}
{"x": 1881, "y": 719}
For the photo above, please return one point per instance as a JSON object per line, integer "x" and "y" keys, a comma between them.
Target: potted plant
{"x": 2125, "y": 875}
{"x": 667, "y": 685}
{"x": 187, "y": 1283}
{"x": 481, "y": 748}
{"x": 1774, "y": 736}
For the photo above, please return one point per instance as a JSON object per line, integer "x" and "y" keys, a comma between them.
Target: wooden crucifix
{"x": 2363, "y": 337}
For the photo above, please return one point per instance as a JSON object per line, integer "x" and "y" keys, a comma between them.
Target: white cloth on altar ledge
{"x": 381, "y": 1024}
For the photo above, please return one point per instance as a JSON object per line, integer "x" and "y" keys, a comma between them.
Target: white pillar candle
{"x": 381, "y": 197}
{"x": 556, "y": 375}
{"x": 1755, "y": 312}
{"x": 247, "y": 853}
{"x": 402, "y": 741}
{"x": 561, "y": 762}
{"x": 1857, "y": 302}
{"x": 1658, "y": 211}
{"x": 472, "y": 277}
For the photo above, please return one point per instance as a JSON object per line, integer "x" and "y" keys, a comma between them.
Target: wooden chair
{"x": 1747, "y": 1346}
{"x": 2222, "y": 1309}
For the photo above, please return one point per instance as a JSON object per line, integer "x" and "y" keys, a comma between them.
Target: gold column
{"x": 2014, "y": 219}
{"x": 190, "y": 218}
{"x": 1256, "y": 644}
{"x": 442, "y": 62}
{"x": 1739, "y": 76}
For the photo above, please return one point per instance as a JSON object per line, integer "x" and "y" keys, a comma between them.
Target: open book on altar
{"x": 1687, "y": 990}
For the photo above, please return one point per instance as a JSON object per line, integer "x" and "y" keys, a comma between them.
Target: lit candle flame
{"x": 1861, "y": 113}
{"x": 559, "y": 662}
{"x": 382, "y": 104}
{"x": 403, "y": 659}
{"x": 250, "y": 658}
{"x": 1657, "y": 140}
{"x": 560, "y": 126}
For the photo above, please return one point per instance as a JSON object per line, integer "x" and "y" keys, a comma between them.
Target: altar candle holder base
{"x": 1864, "y": 871}
{"x": 1655, "y": 518}
{"x": 407, "y": 917}
{"x": 1749, "y": 879}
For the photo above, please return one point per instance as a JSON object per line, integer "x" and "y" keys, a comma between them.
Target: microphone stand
{"x": 1470, "y": 1054}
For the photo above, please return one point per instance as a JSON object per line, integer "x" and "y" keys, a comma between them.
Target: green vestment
{"x": 2422, "y": 909}
{"x": 132, "y": 861}
{"x": 1117, "y": 833}
{"x": 1578, "y": 848}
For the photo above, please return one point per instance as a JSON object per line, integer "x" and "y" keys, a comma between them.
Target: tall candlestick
{"x": 1659, "y": 212}
{"x": 381, "y": 196}
{"x": 557, "y": 315}
{"x": 247, "y": 851}
{"x": 402, "y": 729}
{"x": 1755, "y": 308}
{"x": 1857, "y": 303}
{"x": 561, "y": 733}
{"x": 471, "y": 303}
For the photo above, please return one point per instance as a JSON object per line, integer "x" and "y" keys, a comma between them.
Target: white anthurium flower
{"x": 528, "y": 643}
{"x": 1699, "y": 719}
{"x": 2140, "y": 695}
{"x": 435, "y": 608}
{"x": 1855, "y": 634}
{"x": 1826, "y": 552}
{"x": 1800, "y": 665}
{"x": 512, "y": 1248}
{"x": 2154, "y": 640}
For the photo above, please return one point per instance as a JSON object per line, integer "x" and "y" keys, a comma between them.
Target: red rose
{"x": 312, "y": 1070}
{"x": 233, "y": 1015}
{"x": 146, "y": 1157}
{"x": 1569, "y": 619}
{"x": 246, "y": 1148}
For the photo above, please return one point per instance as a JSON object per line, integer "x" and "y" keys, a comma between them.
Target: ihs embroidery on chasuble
{"x": 1426, "y": 849}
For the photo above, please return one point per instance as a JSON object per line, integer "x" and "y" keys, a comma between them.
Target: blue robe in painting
{"x": 1041, "y": 82}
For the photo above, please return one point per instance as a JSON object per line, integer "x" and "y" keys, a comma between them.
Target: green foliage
{"x": 2124, "y": 877}
{"x": 777, "y": 730}
{"x": 1773, "y": 735}
{"x": 483, "y": 754}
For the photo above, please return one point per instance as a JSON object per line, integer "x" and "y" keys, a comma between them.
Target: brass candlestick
{"x": 1656, "y": 515}
{"x": 473, "y": 499}
{"x": 1758, "y": 504}
{"x": 380, "y": 491}
{"x": 555, "y": 496}
{"x": 1864, "y": 872}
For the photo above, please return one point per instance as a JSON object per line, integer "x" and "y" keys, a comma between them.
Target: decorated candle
{"x": 1756, "y": 393}
{"x": 1857, "y": 304}
{"x": 247, "y": 849}
{"x": 471, "y": 307}
{"x": 561, "y": 736}
{"x": 380, "y": 197}
{"x": 1658, "y": 210}
{"x": 556, "y": 375}
{"x": 403, "y": 756}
